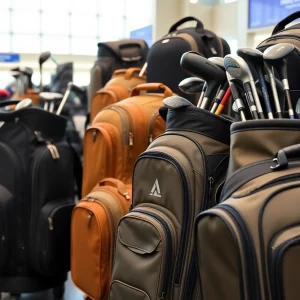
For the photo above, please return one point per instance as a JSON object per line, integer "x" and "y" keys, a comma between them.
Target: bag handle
{"x": 283, "y": 156}
{"x": 151, "y": 87}
{"x": 281, "y": 25}
{"x": 199, "y": 25}
{"x": 128, "y": 73}
{"x": 119, "y": 185}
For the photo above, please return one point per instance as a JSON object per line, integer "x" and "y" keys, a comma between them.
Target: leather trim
{"x": 190, "y": 40}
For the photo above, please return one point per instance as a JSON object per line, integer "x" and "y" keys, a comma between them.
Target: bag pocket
{"x": 120, "y": 290}
{"x": 6, "y": 214}
{"x": 284, "y": 264}
{"x": 52, "y": 248}
{"x": 145, "y": 255}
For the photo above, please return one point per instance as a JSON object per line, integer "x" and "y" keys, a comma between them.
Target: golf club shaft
{"x": 250, "y": 100}
{"x": 256, "y": 100}
{"x": 143, "y": 70}
{"x": 241, "y": 108}
{"x": 223, "y": 102}
{"x": 63, "y": 101}
{"x": 201, "y": 96}
{"x": 204, "y": 102}
{"x": 274, "y": 90}
{"x": 265, "y": 92}
{"x": 217, "y": 100}
{"x": 289, "y": 103}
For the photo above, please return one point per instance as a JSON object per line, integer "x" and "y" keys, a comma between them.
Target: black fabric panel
{"x": 244, "y": 175}
{"x": 198, "y": 120}
{"x": 38, "y": 119}
{"x": 283, "y": 124}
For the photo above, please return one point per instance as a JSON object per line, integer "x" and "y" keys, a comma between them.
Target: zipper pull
{"x": 130, "y": 139}
{"x": 162, "y": 296}
{"x": 94, "y": 135}
{"x": 213, "y": 50}
{"x": 89, "y": 218}
{"x": 126, "y": 195}
{"x": 50, "y": 221}
{"x": 53, "y": 150}
{"x": 150, "y": 138}
{"x": 211, "y": 182}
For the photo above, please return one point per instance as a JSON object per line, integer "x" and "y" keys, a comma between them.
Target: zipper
{"x": 151, "y": 126}
{"x": 248, "y": 247}
{"x": 276, "y": 264}
{"x": 286, "y": 36}
{"x": 191, "y": 277}
{"x": 3, "y": 236}
{"x": 126, "y": 125}
{"x": 169, "y": 249}
{"x": 282, "y": 179}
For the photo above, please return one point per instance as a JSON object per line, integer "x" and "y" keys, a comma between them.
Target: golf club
{"x": 16, "y": 75}
{"x": 223, "y": 102}
{"x": 197, "y": 65}
{"x": 143, "y": 70}
{"x": 277, "y": 56}
{"x": 236, "y": 97}
{"x": 24, "y": 103}
{"x": 238, "y": 107}
{"x": 191, "y": 85}
{"x": 255, "y": 59}
{"x": 298, "y": 107}
{"x": 49, "y": 100}
{"x": 42, "y": 59}
{"x": 71, "y": 87}
{"x": 238, "y": 69}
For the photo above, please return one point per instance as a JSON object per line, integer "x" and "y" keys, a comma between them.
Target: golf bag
{"x": 95, "y": 218}
{"x": 120, "y": 133}
{"x": 248, "y": 245}
{"x": 178, "y": 176}
{"x": 36, "y": 199}
{"x": 112, "y": 56}
{"x": 164, "y": 56}
{"x": 290, "y": 35}
{"x": 117, "y": 88}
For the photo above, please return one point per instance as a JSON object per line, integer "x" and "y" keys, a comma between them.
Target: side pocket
{"x": 6, "y": 214}
{"x": 146, "y": 245}
{"x": 52, "y": 248}
{"x": 284, "y": 264}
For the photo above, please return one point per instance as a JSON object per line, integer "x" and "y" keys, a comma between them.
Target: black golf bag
{"x": 37, "y": 190}
{"x": 164, "y": 56}
{"x": 290, "y": 35}
{"x": 112, "y": 56}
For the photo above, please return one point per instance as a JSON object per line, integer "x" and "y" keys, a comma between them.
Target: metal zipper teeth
{"x": 274, "y": 182}
{"x": 169, "y": 249}
{"x": 4, "y": 233}
{"x": 277, "y": 265}
{"x": 252, "y": 269}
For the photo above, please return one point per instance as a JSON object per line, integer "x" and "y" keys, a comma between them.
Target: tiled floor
{"x": 71, "y": 293}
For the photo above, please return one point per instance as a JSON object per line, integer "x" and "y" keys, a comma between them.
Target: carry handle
{"x": 132, "y": 58}
{"x": 119, "y": 185}
{"x": 199, "y": 24}
{"x": 281, "y": 25}
{"x": 128, "y": 73}
{"x": 9, "y": 102}
{"x": 151, "y": 87}
{"x": 282, "y": 157}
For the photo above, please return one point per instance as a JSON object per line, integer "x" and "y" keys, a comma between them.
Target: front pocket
{"x": 284, "y": 264}
{"x": 6, "y": 213}
{"x": 52, "y": 246}
{"x": 99, "y": 153}
{"x": 145, "y": 252}
{"x": 121, "y": 290}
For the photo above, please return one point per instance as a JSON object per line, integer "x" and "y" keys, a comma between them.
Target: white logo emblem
{"x": 155, "y": 191}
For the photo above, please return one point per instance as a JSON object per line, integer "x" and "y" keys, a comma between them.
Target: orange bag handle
{"x": 151, "y": 87}
{"x": 128, "y": 72}
{"x": 119, "y": 185}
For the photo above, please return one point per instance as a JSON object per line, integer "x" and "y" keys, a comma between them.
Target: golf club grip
{"x": 290, "y": 152}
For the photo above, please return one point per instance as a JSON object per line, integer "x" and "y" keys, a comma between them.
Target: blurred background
{"x": 71, "y": 29}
